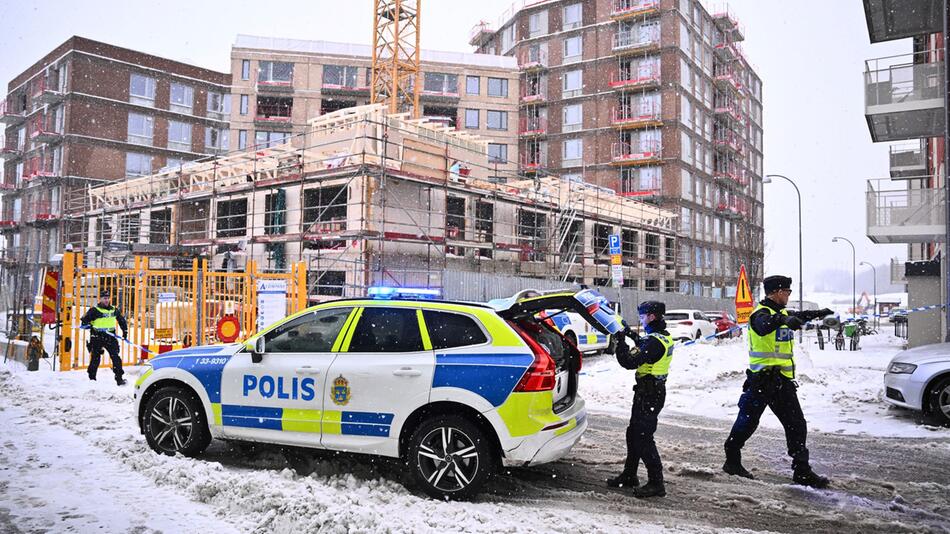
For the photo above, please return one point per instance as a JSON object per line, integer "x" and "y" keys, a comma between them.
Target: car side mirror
{"x": 257, "y": 355}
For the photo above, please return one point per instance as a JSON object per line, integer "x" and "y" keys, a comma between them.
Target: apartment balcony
{"x": 480, "y": 34}
{"x": 898, "y": 272}
{"x": 726, "y": 21}
{"x": 532, "y": 126}
{"x": 641, "y": 77}
{"x": 40, "y": 212}
{"x": 533, "y": 59}
{"x": 896, "y": 19}
{"x": 531, "y": 163}
{"x": 275, "y": 86}
{"x": 639, "y": 153}
{"x": 736, "y": 208}
{"x": 36, "y": 169}
{"x": 532, "y": 95}
{"x": 896, "y": 214}
{"x": 8, "y": 224}
{"x": 908, "y": 160}
{"x": 625, "y": 9}
{"x": 9, "y": 117}
{"x": 345, "y": 88}
{"x": 728, "y": 142}
{"x": 727, "y": 51}
{"x": 637, "y": 116}
{"x": 41, "y": 132}
{"x": 631, "y": 42}
{"x": 8, "y": 153}
{"x": 904, "y": 97}
{"x": 731, "y": 177}
{"x": 47, "y": 93}
{"x": 279, "y": 122}
{"x": 727, "y": 79}
{"x": 729, "y": 111}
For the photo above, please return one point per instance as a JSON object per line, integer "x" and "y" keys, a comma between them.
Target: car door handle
{"x": 307, "y": 370}
{"x": 407, "y": 371}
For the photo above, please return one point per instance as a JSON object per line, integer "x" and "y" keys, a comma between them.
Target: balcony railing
{"x": 631, "y": 8}
{"x": 904, "y": 97}
{"x": 728, "y": 110}
{"x": 41, "y": 131}
{"x": 637, "y": 39}
{"x": 632, "y": 77}
{"x": 533, "y": 126}
{"x": 727, "y": 22}
{"x": 735, "y": 208}
{"x": 531, "y": 94}
{"x": 533, "y": 59}
{"x": 532, "y": 163}
{"x": 640, "y": 152}
{"x": 46, "y": 92}
{"x": 898, "y": 214}
{"x": 10, "y": 153}
{"x": 637, "y": 115}
{"x": 346, "y": 86}
{"x": 8, "y": 116}
{"x": 728, "y": 142}
{"x": 727, "y": 77}
{"x": 40, "y": 211}
{"x": 908, "y": 160}
{"x": 38, "y": 167}
{"x": 896, "y": 19}
{"x": 898, "y": 272}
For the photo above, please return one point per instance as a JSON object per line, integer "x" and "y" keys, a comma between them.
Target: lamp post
{"x": 873, "y": 270}
{"x": 801, "y": 296}
{"x": 854, "y": 277}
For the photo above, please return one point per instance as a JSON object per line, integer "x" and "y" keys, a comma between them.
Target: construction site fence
{"x": 172, "y": 309}
{"x": 482, "y": 287}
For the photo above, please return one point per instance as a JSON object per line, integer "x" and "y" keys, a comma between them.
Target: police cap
{"x": 105, "y": 293}
{"x": 776, "y": 282}
{"x": 651, "y": 306}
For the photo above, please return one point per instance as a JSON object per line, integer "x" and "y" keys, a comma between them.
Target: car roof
{"x": 681, "y": 310}
{"x": 415, "y": 301}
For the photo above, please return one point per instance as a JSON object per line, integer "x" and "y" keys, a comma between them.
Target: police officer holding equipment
{"x": 770, "y": 381}
{"x": 102, "y": 319}
{"x": 651, "y": 358}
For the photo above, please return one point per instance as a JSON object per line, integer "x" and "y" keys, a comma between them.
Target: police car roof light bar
{"x": 382, "y": 292}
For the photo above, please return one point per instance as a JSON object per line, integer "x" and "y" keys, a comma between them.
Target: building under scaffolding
{"x": 375, "y": 198}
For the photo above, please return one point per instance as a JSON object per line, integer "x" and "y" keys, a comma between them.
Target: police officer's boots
{"x": 624, "y": 480}
{"x": 653, "y": 488}
{"x": 807, "y": 477}
{"x": 733, "y": 465}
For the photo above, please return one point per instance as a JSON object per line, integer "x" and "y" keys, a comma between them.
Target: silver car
{"x": 919, "y": 379}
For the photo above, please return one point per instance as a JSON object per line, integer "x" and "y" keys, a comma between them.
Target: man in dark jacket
{"x": 102, "y": 319}
{"x": 651, "y": 358}
{"x": 770, "y": 382}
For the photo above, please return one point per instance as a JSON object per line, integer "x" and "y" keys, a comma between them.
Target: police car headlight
{"x": 901, "y": 368}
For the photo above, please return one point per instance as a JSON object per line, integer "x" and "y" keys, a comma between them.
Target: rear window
{"x": 713, "y": 315}
{"x": 387, "y": 330}
{"x": 447, "y": 330}
{"x": 677, "y": 316}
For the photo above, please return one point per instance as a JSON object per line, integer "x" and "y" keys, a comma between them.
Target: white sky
{"x": 809, "y": 53}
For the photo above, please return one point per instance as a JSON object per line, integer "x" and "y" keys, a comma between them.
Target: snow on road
{"x": 840, "y": 391}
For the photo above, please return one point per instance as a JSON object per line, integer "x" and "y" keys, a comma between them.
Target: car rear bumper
{"x": 552, "y": 444}
{"x": 903, "y": 391}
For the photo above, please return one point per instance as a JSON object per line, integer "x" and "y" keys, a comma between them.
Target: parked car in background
{"x": 724, "y": 321}
{"x": 919, "y": 379}
{"x": 689, "y": 324}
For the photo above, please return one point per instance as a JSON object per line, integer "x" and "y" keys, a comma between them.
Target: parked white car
{"x": 689, "y": 324}
{"x": 919, "y": 379}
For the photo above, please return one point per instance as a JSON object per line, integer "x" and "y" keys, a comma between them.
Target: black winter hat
{"x": 776, "y": 282}
{"x": 651, "y": 306}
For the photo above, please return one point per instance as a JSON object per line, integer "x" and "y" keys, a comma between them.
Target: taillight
{"x": 541, "y": 376}
{"x": 687, "y": 323}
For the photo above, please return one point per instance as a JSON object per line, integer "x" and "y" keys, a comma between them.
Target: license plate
{"x": 561, "y": 385}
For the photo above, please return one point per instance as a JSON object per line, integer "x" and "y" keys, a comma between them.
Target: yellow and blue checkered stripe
{"x": 295, "y": 420}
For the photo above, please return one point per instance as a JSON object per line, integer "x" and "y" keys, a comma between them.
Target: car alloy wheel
{"x": 171, "y": 424}
{"x": 940, "y": 400}
{"x": 447, "y": 459}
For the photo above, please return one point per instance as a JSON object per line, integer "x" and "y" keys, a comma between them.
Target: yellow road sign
{"x": 744, "y": 302}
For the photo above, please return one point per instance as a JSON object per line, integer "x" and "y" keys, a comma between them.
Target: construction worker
{"x": 651, "y": 358}
{"x": 770, "y": 382}
{"x": 102, "y": 319}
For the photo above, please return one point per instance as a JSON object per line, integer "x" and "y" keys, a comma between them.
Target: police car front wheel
{"x": 450, "y": 457}
{"x": 175, "y": 423}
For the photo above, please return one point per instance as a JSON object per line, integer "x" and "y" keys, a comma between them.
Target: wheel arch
{"x": 446, "y": 408}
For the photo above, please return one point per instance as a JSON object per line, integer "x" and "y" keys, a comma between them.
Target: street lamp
{"x": 874, "y": 270}
{"x": 768, "y": 180}
{"x": 854, "y": 277}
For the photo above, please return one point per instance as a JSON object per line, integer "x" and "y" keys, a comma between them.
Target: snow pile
{"x": 840, "y": 391}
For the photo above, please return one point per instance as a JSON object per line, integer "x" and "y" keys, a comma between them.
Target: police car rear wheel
{"x": 450, "y": 457}
{"x": 175, "y": 423}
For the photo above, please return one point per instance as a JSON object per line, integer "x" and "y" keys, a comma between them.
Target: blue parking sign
{"x": 615, "y": 243}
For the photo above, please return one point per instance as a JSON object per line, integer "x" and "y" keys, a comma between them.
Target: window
{"x": 573, "y": 48}
{"x": 232, "y": 218}
{"x": 498, "y": 87}
{"x": 497, "y": 153}
{"x": 324, "y": 204}
{"x": 181, "y": 98}
{"x": 341, "y": 76}
{"x": 269, "y": 139}
{"x": 572, "y": 17}
{"x": 179, "y": 135}
{"x": 330, "y": 283}
{"x": 472, "y": 85}
{"x": 274, "y": 108}
{"x": 275, "y": 73}
{"x": 448, "y": 330}
{"x": 137, "y": 164}
{"x": 387, "y": 330}
{"x": 573, "y": 151}
{"x": 141, "y": 129}
{"x": 652, "y": 285}
{"x": 160, "y": 227}
{"x": 275, "y": 212}
{"x": 142, "y": 90}
{"x": 572, "y": 117}
{"x": 601, "y": 239}
{"x": 129, "y": 226}
{"x": 314, "y": 332}
{"x": 219, "y": 105}
{"x": 629, "y": 242}
{"x": 573, "y": 80}
{"x": 471, "y": 118}
{"x": 245, "y": 69}
{"x": 217, "y": 139}
{"x": 244, "y": 105}
{"x": 242, "y": 139}
{"x": 441, "y": 83}
{"x": 497, "y": 120}
{"x": 537, "y": 24}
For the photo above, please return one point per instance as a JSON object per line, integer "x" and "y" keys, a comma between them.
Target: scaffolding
{"x": 369, "y": 198}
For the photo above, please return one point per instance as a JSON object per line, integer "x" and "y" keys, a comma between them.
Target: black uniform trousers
{"x": 98, "y": 343}
{"x": 769, "y": 388}
{"x": 648, "y": 400}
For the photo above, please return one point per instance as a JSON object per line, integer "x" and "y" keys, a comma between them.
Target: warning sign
{"x": 50, "y": 285}
{"x": 744, "y": 302}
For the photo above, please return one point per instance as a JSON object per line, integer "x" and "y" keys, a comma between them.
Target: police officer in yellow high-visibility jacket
{"x": 651, "y": 358}
{"x": 770, "y": 382}
{"x": 103, "y": 318}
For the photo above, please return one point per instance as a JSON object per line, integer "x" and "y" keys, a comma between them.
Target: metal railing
{"x": 904, "y": 79}
{"x": 904, "y": 214}
{"x": 898, "y": 271}
{"x": 637, "y": 38}
{"x": 908, "y": 156}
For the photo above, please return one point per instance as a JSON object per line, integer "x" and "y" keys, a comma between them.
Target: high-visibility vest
{"x": 107, "y": 320}
{"x": 772, "y": 350}
{"x": 661, "y": 367}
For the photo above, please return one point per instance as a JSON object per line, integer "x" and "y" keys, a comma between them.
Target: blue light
{"x": 417, "y": 293}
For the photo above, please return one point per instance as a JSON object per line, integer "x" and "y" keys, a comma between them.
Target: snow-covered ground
{"x": 840, "y": 391}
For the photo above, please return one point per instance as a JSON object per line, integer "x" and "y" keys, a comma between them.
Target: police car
{"x": 585, "y": 336}
{"x": 453, "y": 389}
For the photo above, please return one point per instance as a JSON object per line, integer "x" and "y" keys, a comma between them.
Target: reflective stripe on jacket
{"x": 773, "y": 350}
{"x": 661, "y": 367}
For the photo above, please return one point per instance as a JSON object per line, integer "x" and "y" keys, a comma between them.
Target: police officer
{"x": 770, "y": 382}
{"x": 103, "y": 319}
{"x": 651, "y": 358}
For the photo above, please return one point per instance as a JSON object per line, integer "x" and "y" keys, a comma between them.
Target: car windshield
{"x": 713, "y": 315}
{"x": 677, "y": 316}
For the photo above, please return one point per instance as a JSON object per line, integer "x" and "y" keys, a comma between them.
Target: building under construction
{"x": 370, "y": 198}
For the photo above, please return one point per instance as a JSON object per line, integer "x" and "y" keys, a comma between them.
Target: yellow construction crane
{"x": 396, "y": 77}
